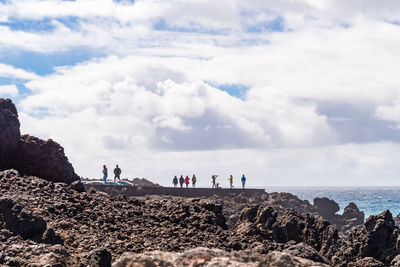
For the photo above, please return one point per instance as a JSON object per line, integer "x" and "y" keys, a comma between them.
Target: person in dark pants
{"x": 213, "y": 178}
{"x": 117, "y": 173}
{"x": 194, "y": 180}
{"x": 175, "y": 181}
{"x": 181, "y": 181}
{"x": 105, "y": 174}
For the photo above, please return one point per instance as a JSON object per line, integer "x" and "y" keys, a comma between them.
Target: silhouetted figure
{"x": 230, "y": 182}
{"x": 243, "y": 181}
{"x": 214, "y": 177}
{"x": 175, "y": 181}
{"x": 105, "y": 174}
{"x": 117, "y": 173}
{"x": 181, "y": 181}
{"x": 187, "y": 181}
{"x": 194, "y": 180}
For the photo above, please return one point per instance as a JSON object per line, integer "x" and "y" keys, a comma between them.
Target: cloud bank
{"x": 290, "y": 93}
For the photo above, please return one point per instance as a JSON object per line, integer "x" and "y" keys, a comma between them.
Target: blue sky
{"x": 290, "y": 93}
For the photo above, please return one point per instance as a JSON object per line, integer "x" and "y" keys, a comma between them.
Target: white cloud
{"x": 8, "y": 90}
{"x": 9, "y": 71}
{"x": 149, "y": 106}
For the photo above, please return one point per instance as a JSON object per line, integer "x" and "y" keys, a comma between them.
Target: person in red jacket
{"x": 187, "y": 180}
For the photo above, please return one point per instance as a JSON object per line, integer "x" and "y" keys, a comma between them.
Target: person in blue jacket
{"x": 175, "y": 181}
{"x": 243, "y": 181}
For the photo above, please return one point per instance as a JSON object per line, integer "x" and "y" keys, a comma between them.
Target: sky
{"x": 289, "y": 93}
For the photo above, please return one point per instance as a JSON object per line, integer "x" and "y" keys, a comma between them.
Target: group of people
{"x": 117, "y": 174}
{"x": 186, "y": 181}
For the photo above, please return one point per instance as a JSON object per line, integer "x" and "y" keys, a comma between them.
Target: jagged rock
{"x": 304, "y": 251}
{"x": 352, "y": 212}
{"x": 366, "y": 262}
{"x": 45, "y": 159}
{"x": 77, "y": 186}
{"x": 377, "y": 239}
{"x": 28, "y": 154}
{"x": 9, "y": 132}
{"x": 13, "y": 217}
{"x": 326, "y": 207}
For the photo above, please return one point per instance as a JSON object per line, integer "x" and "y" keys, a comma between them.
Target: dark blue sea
{"x": 372, "y": 200}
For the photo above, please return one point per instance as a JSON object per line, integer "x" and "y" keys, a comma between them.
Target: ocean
{"x": 371, "y": 200}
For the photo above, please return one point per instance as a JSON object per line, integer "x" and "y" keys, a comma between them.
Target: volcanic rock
{"x": 377, "y": 239}
{"x": 351, "y": 213}
{"x": 326, "y": 207}
{"x": 13, "y": 218}
{"x": 9, "y": 132}
{"x": 28, "y": 154}
{"x": 211, "y": 257}
{"x": 45, "y": 159}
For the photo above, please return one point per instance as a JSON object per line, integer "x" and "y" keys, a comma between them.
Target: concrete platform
{"x": 170, "y": 191}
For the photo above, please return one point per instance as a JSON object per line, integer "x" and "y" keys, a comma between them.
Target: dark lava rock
{"x": 100, "y": 258}
{"x": 45, "y": 159}
{"x": 377, "y": 239}
{"x": 13, "y": 217}
{"x": 352, "y": 212}
{"x": 77, "y": 186}
{"x": 30, "y": 155}
{"x": 326, "y": 207}
{"x": 304, "y": 251}
{"x": 9, "y": 132}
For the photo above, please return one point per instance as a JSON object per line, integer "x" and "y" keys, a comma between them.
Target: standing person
{"x": 175, "y": 181}
{"x": 243, "y": 181}
{"x": 230, "y": 181}
{"x": 117, "y": 173}
{"x": 187, "y": 180}
{"x": 214, "y": 177}
{"x": 181, "y": 181}
{"x": 105, "y": 174}
{"x": 194, "y": 180}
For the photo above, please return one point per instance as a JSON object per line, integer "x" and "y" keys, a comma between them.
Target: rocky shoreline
{"x": 53, "y": 221}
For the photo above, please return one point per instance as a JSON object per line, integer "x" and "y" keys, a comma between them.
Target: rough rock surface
{"x": 212, "y": 257}
{"x": 45, "y": 159}
{"x": 9, "y": 131}
{"x": 378, "y": 239}
{"x": 28, "y": 154}
{"x": 326, "y": 207}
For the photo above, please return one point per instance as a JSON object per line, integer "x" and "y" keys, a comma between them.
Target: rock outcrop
{"x": 9, "y": 131}
{"x": 326, "y": 207}
{"x": 378, "y": 239}
{"x": 28, "y": 154}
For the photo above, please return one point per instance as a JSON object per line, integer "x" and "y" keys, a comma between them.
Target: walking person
{"x": 105, "y": 174}
{"x": 117, "y": 174}
{"x": 181, "y": 181}
{"x": 187, "y": 181}
{"x": 243, "y": 181}
{"x": 230, "y": 181}
{"x": 194, "y": 180}
{"x": 214, "y": 177}
{"x": 175, "y": 181}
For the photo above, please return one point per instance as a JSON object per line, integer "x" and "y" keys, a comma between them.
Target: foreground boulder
{"x": 211, "y": 257}
{"x": 28, "y": 154}
{"x": 9, "y": 131}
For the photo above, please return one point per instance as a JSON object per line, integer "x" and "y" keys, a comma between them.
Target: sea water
{"x": 371, "y": 200}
